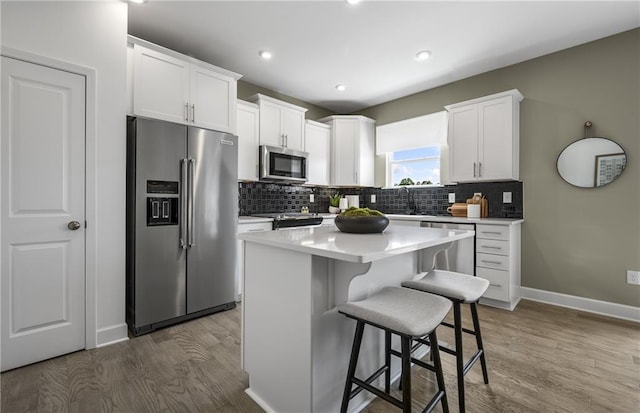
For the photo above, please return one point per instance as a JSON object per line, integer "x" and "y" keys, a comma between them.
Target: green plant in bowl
{"x": 361, "y": 221}
{"x": 334, "y": 200}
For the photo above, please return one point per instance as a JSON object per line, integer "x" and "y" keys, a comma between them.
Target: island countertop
{"x": 361, "y": 248}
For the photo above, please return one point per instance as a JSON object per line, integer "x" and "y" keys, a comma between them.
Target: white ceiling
{"x": 370, "y": 47}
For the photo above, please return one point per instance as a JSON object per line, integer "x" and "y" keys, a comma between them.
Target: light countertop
{"x": 460, "y": 220}
{"x": 331, "y": 243}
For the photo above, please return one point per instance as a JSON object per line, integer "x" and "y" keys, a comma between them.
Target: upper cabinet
{"x": 352, "y": 150}
{"x": 248, "y": 120}
{"x": 170, "y": 86}
{"x": 281, "y": 124}
{"x": 317, "y": 143}
{"x": 484, "y": 138}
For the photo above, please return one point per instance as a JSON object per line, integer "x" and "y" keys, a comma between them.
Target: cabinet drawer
{"x": 500, "y": 232}
{"x": 490, "y": 246}
{"x": 498, "y": 262}
{"x": 255, "y": 227}
{"x": 498, "y": 283}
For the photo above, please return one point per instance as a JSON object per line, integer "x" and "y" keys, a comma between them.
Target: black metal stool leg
{"x": 437, "y": 363}
{"x": 457, "y": 323}
{"x": 387, "y": 361}
{"x": 476, "y": 328}
{"x": 353, "y": 361}
{"x": 405, "y": 346}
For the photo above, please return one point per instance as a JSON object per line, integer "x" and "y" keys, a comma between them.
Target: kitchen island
{"x": 295, "y": 345}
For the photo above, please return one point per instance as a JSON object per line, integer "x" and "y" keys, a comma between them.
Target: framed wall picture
{"x": 608, "y": 167}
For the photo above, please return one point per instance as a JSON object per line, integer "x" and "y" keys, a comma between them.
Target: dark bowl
{"x": 371, "y": 224}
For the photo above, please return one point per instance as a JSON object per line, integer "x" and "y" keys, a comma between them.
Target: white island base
{"x": 296, "y": 345}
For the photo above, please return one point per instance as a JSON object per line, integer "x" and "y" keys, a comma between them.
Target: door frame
{"x": 90, "y": 269}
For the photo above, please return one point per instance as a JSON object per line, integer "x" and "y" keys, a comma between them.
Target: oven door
{"x": 283, "y": 164}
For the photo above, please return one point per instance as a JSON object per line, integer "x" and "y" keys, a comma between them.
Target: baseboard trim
{"x": 624, "y": 312}
{"x": 111, "y": 335}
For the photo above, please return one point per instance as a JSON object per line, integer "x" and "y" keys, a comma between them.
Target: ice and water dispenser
{"x": 163, "y": 205}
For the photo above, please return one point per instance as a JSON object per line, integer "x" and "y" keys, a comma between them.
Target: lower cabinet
{"x": 246, "y": 227}
{"x": 498, "y": 260}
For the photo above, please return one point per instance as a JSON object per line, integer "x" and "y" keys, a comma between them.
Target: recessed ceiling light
{"x": 340, "y": 88}
{"x": 423, "y": 55}
{"x": 353, "y": 1}
{"x": 265, "y": 54}
{"x": 137, "y": 1}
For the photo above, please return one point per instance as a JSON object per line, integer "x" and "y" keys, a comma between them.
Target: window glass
{"x": 419, "y": 166}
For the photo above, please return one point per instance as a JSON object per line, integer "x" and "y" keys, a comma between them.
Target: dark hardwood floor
{"x": 541, "y": 359}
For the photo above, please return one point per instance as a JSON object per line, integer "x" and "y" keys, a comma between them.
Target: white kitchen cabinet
{"x": 484, "y": 138}
{"x": 178, "y": 88}
{"x": 244, "y": 226}
{"x": 248, "y": 121}
{"x": 352, "y": 150}
{"x": 317, "y": 144}
{"x": 281, "y": 124}
{"x": 498, "y": 260}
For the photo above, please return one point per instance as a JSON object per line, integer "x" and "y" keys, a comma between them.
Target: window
{"x": 419, "y": 166}
{"x": 414, "y": 149}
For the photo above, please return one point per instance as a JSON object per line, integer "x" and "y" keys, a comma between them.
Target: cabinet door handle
{"x": 491, "y": 262}
{"x": 491, "y": 247}
{"x": 286, "y": 140}
{"x": 193, "y": 113}
{"x": 479, "y": 169}
{"x": 474, "y": 169}
{"x": 490, "y": 232}
{"x": 495, "y": 285}
{"x": 256, "y": 230}
{"x": 186, "y": 112}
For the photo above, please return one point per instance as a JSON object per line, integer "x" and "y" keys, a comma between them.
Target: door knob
{"x": 73, "y": 225}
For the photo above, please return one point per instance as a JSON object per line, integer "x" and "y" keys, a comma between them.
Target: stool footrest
{"x": 415, "y": 361}
{"x": 369, "y": 380}
{"x": 432, "y": 404}
{"x": 472, "y": 361}
{"x": 466, "y": 330}
{"x": 377, "y": 392}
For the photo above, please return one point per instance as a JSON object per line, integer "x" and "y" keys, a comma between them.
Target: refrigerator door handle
{"x": 183, "y": 203}
{"x": 190, "y": 212}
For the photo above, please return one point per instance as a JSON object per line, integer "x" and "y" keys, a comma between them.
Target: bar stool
{"x": 410, "y": 315}
{"x": 460, "y": 289}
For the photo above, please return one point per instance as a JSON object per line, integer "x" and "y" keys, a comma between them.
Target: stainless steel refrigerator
{"x": 182, "y": 209}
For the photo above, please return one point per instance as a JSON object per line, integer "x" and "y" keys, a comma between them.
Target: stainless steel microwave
{"x": 283, "y": 164}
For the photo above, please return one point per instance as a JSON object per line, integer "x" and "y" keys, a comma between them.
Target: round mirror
{"x": 591, "y": 162}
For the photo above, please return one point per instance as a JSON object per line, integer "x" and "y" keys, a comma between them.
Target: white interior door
{"x": 42, "y": 212}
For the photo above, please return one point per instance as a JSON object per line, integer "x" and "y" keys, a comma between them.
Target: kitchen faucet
{"x": 411, "y": 204}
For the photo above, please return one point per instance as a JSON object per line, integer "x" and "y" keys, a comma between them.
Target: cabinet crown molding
{"x": 264, "y": 98}
{"x": 515, "y": 93}
{"x": 346, "y": 117}
{"x": 141, "y": 42}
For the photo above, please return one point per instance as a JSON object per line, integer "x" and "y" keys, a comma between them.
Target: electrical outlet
{"x": 312, "y": 198}
{"x": 373, "y": 199}
{"x": 633, "y": 277}
{"x": 506, "y": 197}
{"x": 452, "y": 197}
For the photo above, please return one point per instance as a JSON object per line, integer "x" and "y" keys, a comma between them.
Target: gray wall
{"x": 574, "y": 241}
{"x": 245, "y": 90}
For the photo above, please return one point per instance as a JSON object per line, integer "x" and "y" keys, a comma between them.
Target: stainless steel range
{"x": 292, "y": 219}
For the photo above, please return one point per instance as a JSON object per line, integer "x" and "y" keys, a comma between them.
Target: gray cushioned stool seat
{"x": 408, "y": 312}
{"x": 461, "y": 287}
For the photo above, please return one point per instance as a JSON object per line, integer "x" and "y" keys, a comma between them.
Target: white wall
{"x": 90, "y": 34}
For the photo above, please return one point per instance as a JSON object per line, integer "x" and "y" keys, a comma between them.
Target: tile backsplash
{"x": 265, "y": 197}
